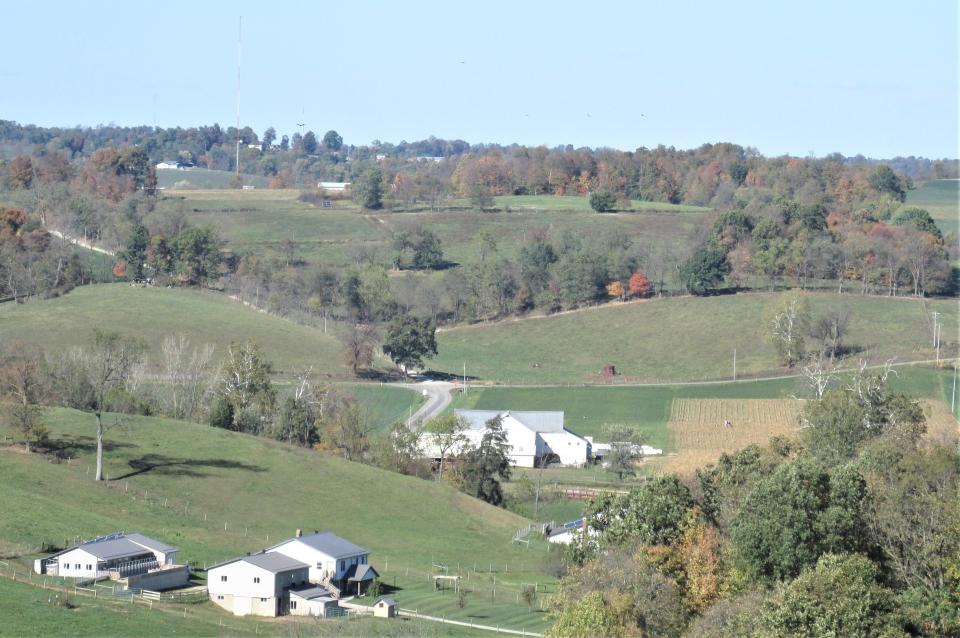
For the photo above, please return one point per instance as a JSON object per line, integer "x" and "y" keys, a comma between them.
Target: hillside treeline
{"x": 849, "y": 530}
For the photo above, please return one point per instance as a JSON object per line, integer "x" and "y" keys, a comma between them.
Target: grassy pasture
{"x": 154, "y": 313}
{"x": 217, "y": 494}
{"x": 259, "y": 220}
{"x": 676, "y": 339}
{"x": 941, "y": 198}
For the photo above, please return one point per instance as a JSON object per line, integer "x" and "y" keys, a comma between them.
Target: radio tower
{"x": 239, "y": 41}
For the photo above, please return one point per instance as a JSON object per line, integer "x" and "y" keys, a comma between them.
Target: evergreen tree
{"x": 487, "y": 465}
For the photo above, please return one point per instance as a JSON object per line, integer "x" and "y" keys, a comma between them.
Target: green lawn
{"x": 217, "y": 494}
{"x": 582, "y": 203}
{"x": 154, "y": 313}
{"x": 942, "y": 199}
{"x": 676, "y": 339}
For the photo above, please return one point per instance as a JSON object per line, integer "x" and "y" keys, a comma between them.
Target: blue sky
{"x": 873, "y": 77}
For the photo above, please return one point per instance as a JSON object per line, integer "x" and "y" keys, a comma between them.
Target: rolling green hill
{"x": 169, "y": 178}
{"x": 676, "y": 339}
{"x": 154, "y": 313}
{"x": 258, "y": 221}
{"x": 216, "y": 494}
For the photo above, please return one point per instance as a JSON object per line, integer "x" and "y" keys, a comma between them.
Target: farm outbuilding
{"x": 386, "y": 607}
{"x": 258, "y": 584}
{"x": 312, "y": 601}
{"x": 115, "y": 555}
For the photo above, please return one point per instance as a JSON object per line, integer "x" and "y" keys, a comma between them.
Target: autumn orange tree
{"x": 638, "y": 284}
{"x": 615, "y": 289}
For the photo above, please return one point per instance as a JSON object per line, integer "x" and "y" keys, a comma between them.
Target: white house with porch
{"x": 534, "y": 438}
{"x": 334, "y": 562}
{"x": 118, "y": 553}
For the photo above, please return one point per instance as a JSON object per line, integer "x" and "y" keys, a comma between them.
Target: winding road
{"x": 439, "y": 395}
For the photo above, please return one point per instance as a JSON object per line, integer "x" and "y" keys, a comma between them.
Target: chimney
{"x": 299, "y": 533}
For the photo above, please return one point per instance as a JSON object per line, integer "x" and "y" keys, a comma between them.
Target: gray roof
{"x": 328, "y": 543}
{"x": 389, "y": 600}
{"x": 114, "y": 548}
{"x": 274, "y": 562}
{"x": 150, "y": 543}
{"x": 540, "y": 421}
{"x": 310, "y": 592}
{"x": 360, "y": 573}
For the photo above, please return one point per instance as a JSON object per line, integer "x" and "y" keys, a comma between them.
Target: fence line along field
{"x": 702, "y": 429}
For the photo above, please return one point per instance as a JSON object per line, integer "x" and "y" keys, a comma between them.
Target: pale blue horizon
{"x": 873, "y": 78}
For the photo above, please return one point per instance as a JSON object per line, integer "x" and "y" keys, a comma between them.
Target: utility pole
{"x": 953, "y": 397}
{"x": 239, "y": 42}
{"x": 464, "y": 377}
{"x": 937, "y": 332}
{"x": 936, "y": 315}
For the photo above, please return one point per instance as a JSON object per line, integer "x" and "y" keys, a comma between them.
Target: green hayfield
{"x": 942, "y": 199}
{"x": 217, "y": 494}
{"x": 154, "y": 313}
{"x": 676, "y": 339}
{"x": 206, "y": 178}
{"x": 258, "y": 221}
{"x": 386, "y": 404}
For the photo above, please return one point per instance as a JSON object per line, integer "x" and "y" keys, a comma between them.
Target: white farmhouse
{"x": 119, "y": 553}
{"x": 167, "y": 165}
{"x": 334, "y": 561}
{"x": 258, "y": 584}
{"x": 534, "y": 437}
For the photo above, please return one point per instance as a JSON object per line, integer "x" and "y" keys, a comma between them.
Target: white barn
{"x": 118, "y": 553}
{"x": 258, "y": 584}
{"x": 534, "y": 437}
{"x": 333, "y": 187}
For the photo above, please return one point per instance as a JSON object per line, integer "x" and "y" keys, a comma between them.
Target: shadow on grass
{"x": 63, "y": 448}
{"x": 172, "y": 466}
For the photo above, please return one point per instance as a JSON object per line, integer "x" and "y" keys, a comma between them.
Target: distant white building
{"x": 333, "y": 187}
{"x": 534, "y": 437}
{"x": 167, "y": 165}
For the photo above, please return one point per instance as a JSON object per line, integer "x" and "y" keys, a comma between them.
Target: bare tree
{"x": 830, "y": 330}
{"x": 446, "y": 433}
{"x": 820, "y": 372}
{"x": 187, "y": 375}
{"x": 108, "y": 365}
{"x": 21, "y": 381}
{"x": 359, "y": 343}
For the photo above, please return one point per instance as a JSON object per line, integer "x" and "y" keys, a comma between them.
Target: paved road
{"x": 438, "y": 398}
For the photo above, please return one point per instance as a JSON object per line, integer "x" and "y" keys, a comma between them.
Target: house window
{"x": 256, "y": 579}
{"x": 263, "y": 600}
{"x": 293, "y": 604}
{"x": 223, "y": 579}
{"x": 78, "y": 565}
{"x": 220, "y": 597}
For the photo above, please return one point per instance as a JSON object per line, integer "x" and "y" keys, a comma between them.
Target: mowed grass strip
{"x": 154, "y": 313}
{"x": 677, "y": 339}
